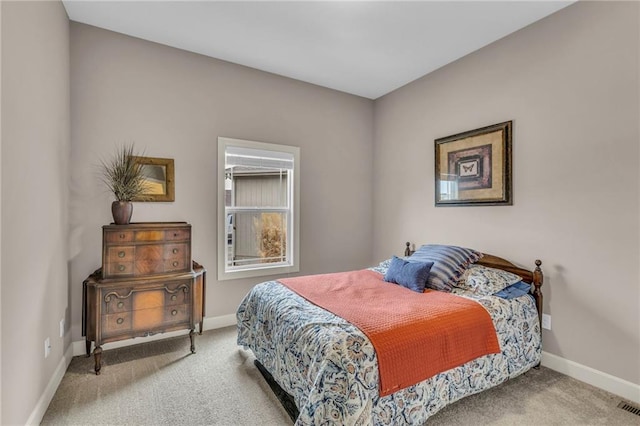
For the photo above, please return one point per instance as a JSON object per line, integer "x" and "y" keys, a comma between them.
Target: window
{"x": 258, "y": 205}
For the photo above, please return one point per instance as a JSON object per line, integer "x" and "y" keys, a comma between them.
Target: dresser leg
{"x": 97, "y": 354}
{"x": 87, "y": 343}
{"x": 192, "y": 336}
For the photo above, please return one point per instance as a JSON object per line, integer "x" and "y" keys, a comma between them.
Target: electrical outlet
{"x": 62, "y": 327}
{"x": 47, "y": 347}
{"x": 546, "y": 321}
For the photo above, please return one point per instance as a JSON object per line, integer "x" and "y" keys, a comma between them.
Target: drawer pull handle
{"x": 121, "y": 268}
{"x": 122, "y": 236}
{"x": 174, "y": 312}
{"x": 175, "y": 263}
{"x": 120, "y": 304}
{"x": 120, "y": 321}
{"x": 121, "y": 254}
{"x": 175, "y": 250}
{"x": 174, "y": 297}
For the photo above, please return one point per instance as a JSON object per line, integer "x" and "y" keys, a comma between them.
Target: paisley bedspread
{"x": 329, "y": 366}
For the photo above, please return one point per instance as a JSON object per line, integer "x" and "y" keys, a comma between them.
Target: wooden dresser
{"x": 148, "y": 284}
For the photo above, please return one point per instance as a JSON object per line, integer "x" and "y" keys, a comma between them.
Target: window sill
{"x": 256, "y": 272}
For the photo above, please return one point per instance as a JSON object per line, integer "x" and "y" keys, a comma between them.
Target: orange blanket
{"x": 415, "y": 335}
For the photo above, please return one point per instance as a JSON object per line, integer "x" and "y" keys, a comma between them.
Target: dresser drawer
{"x": 178, "y": 293}
{"x": 176, "y": 251}
{"x": 177, "y": 234}
{"x": 118, "y": 236}
{"x": 115, "y": 324}
{"x": 157, "y": 319}
{"x": 173, "y": 265}
{"x": 115, "y": 269}
{"x": 117, "y": 300}
{"x": 120, "y": 253}
{"x": 150, "y": 235}
{"x": 177, "y": 313}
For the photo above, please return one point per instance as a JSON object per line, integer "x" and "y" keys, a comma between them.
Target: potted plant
{"x": 122, "y": 175}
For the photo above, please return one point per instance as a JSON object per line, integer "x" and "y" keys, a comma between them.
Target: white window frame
{"x": 293, "y": 234}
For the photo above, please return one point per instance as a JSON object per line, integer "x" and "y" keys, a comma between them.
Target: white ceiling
{"x": 366, "y": 48}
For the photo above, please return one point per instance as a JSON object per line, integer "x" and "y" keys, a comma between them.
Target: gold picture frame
{"x": 159, "y": 178}
{"x": 473, "y": 168}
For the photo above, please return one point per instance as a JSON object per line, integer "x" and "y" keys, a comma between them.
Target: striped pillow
{"x": 449, "y": 262}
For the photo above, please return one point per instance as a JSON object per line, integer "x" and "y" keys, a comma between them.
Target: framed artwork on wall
{"x": 473, "y": 168}
{"x": 158, "y": 175}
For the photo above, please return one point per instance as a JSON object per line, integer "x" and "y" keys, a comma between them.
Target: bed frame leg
{"x": 538, "y": 279}
{"x": 285, "y": 399}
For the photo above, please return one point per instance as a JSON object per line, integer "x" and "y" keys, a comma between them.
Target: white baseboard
{"x": 43, "y": 403}
{"x": 219, "y": 322}
{"x": 599, "y": 379}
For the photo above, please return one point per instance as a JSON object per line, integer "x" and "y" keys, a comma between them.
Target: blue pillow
{"x": 515, "y": 290}
{"x": 412, "y": 275}
{"x": 449, "y": 262}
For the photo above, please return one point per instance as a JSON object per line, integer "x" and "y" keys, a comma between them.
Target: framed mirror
{"x": 159, "y": 178}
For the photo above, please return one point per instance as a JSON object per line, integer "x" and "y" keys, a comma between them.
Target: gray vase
{"x": 122, "y": 211}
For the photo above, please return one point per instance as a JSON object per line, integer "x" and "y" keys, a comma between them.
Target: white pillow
{"x": 483, "y": 280}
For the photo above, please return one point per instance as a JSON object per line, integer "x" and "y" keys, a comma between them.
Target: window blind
{"x": 249, "y": 157}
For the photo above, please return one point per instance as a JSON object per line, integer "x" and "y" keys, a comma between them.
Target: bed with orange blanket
{"x": 350, "y": 348}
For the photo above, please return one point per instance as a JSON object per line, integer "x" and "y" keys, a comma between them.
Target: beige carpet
{"x": 161, "y": 383}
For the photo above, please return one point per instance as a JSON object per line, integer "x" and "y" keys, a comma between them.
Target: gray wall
{"x": 570, "y": 85}
{"x": 175, "y": 104}
{"x": 34, "y": 226}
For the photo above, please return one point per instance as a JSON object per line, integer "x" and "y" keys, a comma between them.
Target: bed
{"x": 327, "y": 368}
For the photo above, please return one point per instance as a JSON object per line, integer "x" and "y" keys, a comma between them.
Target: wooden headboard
{"x": 534, "y": 277}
